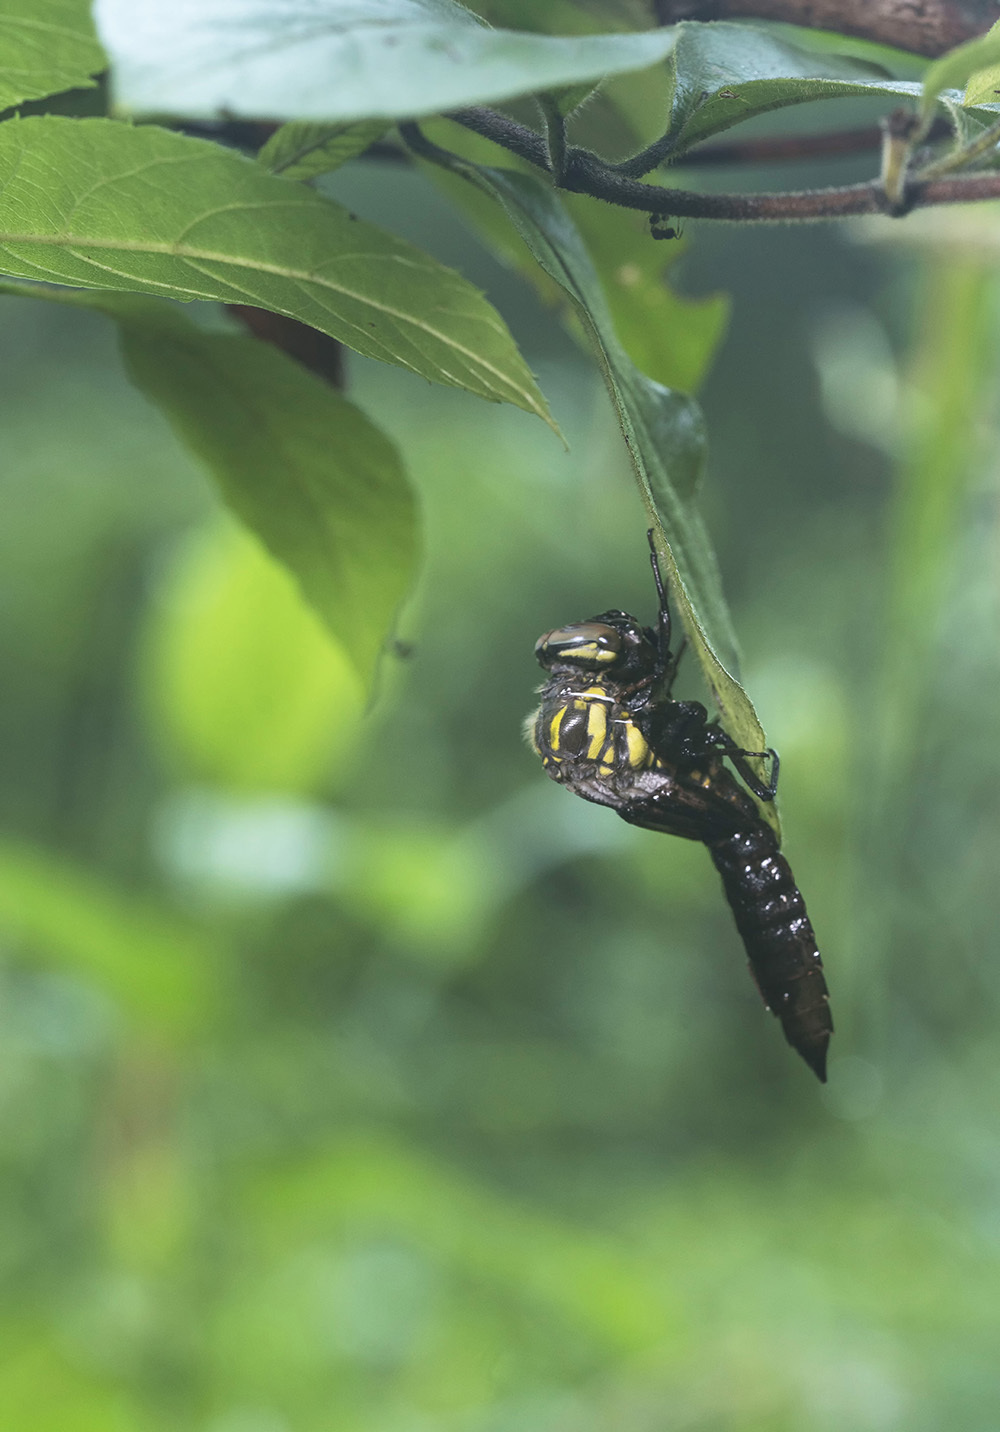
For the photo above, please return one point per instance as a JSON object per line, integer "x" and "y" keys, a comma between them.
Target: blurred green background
{"x": 353, "y": 1077}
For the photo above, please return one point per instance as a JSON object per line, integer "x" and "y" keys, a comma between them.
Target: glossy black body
{"x": 660, "y": 764}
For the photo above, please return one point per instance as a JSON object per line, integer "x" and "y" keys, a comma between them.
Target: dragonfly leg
{"x": 725, "y": 743}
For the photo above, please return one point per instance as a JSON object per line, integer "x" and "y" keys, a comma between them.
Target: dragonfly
{"x": 608, "y": 729}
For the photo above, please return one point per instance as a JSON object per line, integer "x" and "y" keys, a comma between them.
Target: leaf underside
{"x": 99, "y": 204}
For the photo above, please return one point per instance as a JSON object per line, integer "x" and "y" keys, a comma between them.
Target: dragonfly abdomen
{"x": 781, "y": 948}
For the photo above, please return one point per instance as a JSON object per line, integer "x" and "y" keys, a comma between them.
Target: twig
{"x": 585, "y": 173}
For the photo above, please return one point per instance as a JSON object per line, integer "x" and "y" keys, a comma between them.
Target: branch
{"x": 585, "y": 173}
{"x": 924, "y": 27}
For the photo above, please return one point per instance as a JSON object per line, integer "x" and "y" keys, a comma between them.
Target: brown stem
{"x": 809, "y": 204}
{"x": 924, "y": 27}
{"x": 586, "y": 174}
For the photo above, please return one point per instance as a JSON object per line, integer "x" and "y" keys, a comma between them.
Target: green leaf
{"x": 670, "y": 337}
{"x": 342, "y": 59}
{"x": 321, "y": 487}
{"x": 983, "y": 87}
{"x": 958, "y": 66}
{"x": 243, "y": 680}
{"x": 880, "y": 59}
{"x": 726, "y": 73}
{"x": 100, "y": 204}
{"x": 46, "y": 47}
{"x": 303, "y": 468}
{"x": 300, "y": 150}
{"x": 163, "y": 972}
{"x": 664, "y": 434}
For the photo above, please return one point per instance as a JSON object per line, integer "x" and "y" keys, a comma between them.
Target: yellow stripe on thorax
{"x": 597, "y": 729}
{"x": 635, "y": 743}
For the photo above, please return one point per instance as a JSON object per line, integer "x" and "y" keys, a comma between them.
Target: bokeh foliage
{"x": 353, "y": 1078}
{"x": 374, "y": 1083}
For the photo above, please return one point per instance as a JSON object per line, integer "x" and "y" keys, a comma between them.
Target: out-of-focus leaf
{"x": 641, "y": 103}
{"x": 959, "y": 67}
{"x": 322, "y": 488}
{"x": 664, "y": 434}
{"x": 45, "y": 1388}
{"x": 983, "y": 87}
{"x": 953, "y": 383}
{"x": 727, "y": 72}
{"x": 98, "y": 204}
{"x": 241, "y": 675}
{"x": 879, "y": 58}
{"x": 162, "y": 972}
{"x": 591, "y": 1280}
{"x": 46, "y": 47}
{"x": 672, "y": 339}
{"x": 342, "y": 59}
{"x": 300, "y": 150}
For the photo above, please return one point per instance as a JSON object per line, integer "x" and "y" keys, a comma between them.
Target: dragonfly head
{"x": 613, "y": 642}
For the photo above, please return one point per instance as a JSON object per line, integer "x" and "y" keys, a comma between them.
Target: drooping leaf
{"x": 664, "y": 434}
{"x": 321, "y": 487}
{"x": 46, "y": 47}
{"x": 727, "y": 72}
{"x": 302, "y": 467}
{"x": 342, "y": 59}
{"x": 300, "y": 150}
{"x": 99, "y": 204}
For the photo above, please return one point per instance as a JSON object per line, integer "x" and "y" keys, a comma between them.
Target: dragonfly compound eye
{"x": 591, "y": 645}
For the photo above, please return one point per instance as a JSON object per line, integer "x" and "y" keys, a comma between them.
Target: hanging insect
{"x": 609, "y": 730}
{"x": 660, "y": 227}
